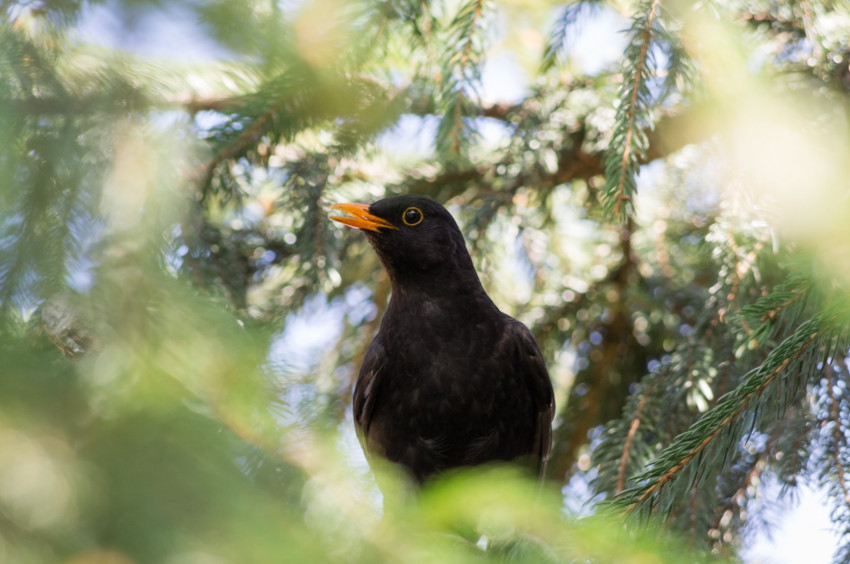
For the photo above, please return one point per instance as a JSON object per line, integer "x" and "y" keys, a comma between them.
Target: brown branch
{"x": 621, "y": 472}
{"x": 771, "y": 315}
{"x": 736, "y": 499}
{"x": 633, "y": 428}
{"x": 499, "y": 110}
{"x": 618, "y": 353}
{"x": 671, "y": 133}
{"x": 213, "y": 104}
{"x": 574, "y": 163}
{"x": 776, "y": 23}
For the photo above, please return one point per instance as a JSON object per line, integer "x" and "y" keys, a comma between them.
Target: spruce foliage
{"x": 671, "y": 227}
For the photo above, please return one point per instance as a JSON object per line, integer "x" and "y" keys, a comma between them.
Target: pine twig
{"x": 630, "y": 115}
{"x": 238, "y": 147}
{"x": 630, "y": 436}
{"x": 694, "y": 441}
{"x": 570, "y": 14}
{"x": 740, "y": 493}
{"x": 629, "y": 143}
{"x": 460, "y": 72}
{"x": 836, "y": 433}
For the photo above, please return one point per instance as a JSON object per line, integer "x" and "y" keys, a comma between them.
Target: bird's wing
{"x": 366, "y": 390}
{"x": 533, "y": 369}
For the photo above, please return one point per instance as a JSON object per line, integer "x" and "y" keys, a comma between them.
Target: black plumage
{"x": 449, "y": 380}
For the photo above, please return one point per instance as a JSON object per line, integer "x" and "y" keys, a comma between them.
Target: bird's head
{"x": 413, "y": 236}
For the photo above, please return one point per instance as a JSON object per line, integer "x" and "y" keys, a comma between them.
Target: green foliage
{"x": 629, "y": 141}
{"x": 672, "y": 229}
{"x": 560, "y": 34}
{"x": 461, "y": 76}
{"x": 161, "y": 444}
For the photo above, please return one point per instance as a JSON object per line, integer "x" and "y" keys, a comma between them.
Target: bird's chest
{"x": 449, "y": 391}
{"x": 430, "y": 344}
{"x": 444, "y": 367}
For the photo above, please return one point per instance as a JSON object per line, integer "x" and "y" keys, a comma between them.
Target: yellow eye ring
{"x": 412, "y": 216}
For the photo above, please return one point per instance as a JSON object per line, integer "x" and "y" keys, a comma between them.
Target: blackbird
{"x": 449, "y": 380}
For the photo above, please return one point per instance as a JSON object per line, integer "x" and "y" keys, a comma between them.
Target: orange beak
{"x": 361, "y": 219}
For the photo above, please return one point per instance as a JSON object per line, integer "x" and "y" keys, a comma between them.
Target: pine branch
{"x": 553, "y": 53}
{"x": 461, "y": 76}
{"x": 37, "y": 236}
{"x": 629, "y": 143}
{"x": 574, "y": 160}
{"x": 680, "y": 74}
{"x": 247, "y": 140}
{"x": 839, "y": 442}
{"x": 830, "y": 448}
{"x": 734, "y": 503}
{"x": 630, "y": 436}
{"x": 669, "y": 465}
{"x": 221, "y": 104}
{"x": 790, "y": 301}
{"x": 701, "y": 367}
{"x": 791, "y": 437}
{"x": 354, "y": 107}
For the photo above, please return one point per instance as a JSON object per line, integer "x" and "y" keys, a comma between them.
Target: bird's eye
{"x": 412, "y": 216}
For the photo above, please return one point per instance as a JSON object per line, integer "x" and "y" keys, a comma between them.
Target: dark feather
{"x": 449, "y": 380}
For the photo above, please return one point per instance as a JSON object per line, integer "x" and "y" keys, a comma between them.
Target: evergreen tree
{"x": 671, "y": 227}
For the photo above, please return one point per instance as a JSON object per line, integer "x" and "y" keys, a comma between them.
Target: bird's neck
{"x": 450, "y": 290}
{"x": 437, "y": 287}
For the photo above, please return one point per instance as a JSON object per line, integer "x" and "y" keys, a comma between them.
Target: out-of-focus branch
{"x": 574, "y": 163}
{"x": 672, "y": 132}
{"x": 243, "y": 143}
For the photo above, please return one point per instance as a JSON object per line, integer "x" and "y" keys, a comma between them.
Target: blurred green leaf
{"x": 180, "y": 323}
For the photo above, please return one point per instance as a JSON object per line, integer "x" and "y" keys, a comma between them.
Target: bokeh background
{"x": 658, "y": 189}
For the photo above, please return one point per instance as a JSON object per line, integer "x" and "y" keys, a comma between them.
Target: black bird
{"x": 449, "y": 380}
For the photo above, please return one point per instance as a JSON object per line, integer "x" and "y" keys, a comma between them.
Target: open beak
{"x": 361, "y": 218}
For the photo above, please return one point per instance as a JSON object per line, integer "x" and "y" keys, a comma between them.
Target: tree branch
{"x": 837, "y": 436}
{"x": 633, "y": 428}
{"x": 631, "y": 115}
{"x": 709, "y": 430}
{"x": 671, "y": 133}
{"x": 238, "y": 147}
